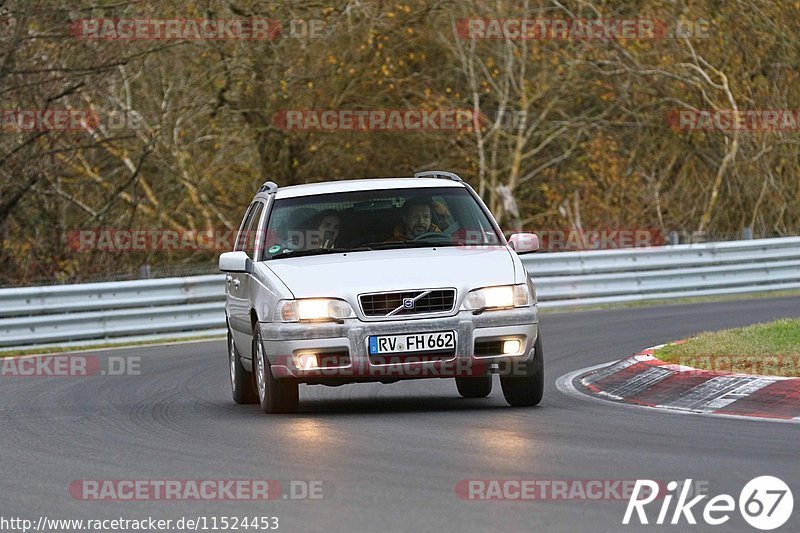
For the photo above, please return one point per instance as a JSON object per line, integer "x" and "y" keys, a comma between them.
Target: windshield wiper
{"x": 409, "y": 244}
{"x": 317, "y": 251}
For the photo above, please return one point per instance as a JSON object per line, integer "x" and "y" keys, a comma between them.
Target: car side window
{"x": 242, "y": 237}
{"x": 252, "y": 230}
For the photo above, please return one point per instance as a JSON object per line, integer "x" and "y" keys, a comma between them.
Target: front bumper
{"x": 284, "y": 342}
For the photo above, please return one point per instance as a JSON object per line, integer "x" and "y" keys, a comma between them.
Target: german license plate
{"x": 412, "y": 342}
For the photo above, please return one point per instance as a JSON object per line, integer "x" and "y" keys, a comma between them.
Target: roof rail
{"x": 438, "y": 174}
{"x": 269, "y": 187}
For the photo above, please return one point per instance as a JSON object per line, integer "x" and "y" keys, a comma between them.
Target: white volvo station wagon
{"x": 379, "y": 280}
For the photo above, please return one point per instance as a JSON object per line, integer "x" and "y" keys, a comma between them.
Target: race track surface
{"x": 389, "y": 455}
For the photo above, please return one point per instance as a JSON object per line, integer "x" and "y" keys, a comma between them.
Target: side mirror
{"x": 235, "y": 262}
{"x": 524, "y": 243}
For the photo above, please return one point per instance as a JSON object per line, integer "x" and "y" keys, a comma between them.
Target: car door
{"x": 253, "y": 244}
{"x": 238, "y": 283}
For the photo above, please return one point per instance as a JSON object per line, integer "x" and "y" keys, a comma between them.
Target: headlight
{"x": 499, "y": 297}
{"x": 313, "y": 309}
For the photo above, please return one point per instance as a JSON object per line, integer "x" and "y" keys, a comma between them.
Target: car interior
{"x": 365, "y": 222}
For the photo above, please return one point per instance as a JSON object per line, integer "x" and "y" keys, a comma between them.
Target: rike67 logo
{"x": 765, "y": 503}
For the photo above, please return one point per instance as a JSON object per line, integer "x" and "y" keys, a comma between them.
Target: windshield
{"x": 380, "y": 219}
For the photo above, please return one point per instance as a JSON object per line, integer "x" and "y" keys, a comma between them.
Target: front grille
{"x": 391, "y": 303}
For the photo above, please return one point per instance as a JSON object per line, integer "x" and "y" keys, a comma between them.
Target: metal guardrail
{"x": 176, "y": 307}
{"x": 681, "y": 271}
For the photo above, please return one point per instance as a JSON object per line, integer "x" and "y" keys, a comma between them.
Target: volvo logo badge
{"x": 408, "y": 303}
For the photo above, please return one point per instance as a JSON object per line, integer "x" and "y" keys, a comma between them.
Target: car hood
{"x": 347, "y": 275}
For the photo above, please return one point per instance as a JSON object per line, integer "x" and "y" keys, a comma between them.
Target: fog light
{"x": 306, "y": 361}
{"x": 511, "y": 347}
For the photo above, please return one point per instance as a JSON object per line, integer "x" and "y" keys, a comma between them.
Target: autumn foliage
{"x": 573, "y": 132}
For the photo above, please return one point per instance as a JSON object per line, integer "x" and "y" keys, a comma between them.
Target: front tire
{"x": 242, "y": 387}
{"x": 474, "y": 387}
{"x": 526, "y": 390}
{"x": 274, "y": 395}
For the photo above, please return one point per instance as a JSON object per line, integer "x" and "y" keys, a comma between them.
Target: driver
{"x": 416, "y": 214}
{"x": 325, "y": 230}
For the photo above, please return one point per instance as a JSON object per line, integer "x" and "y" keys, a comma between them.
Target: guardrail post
{"x": 698, "y": 237}
{"x": 747, "y": 234}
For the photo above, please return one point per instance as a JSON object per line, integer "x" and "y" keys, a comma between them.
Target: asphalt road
{"x": 389, "y": 456}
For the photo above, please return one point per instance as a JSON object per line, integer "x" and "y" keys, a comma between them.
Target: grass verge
{"x": 772, "y": 348}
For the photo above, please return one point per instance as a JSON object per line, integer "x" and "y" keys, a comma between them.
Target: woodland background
{"x": 594, "y": 150}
